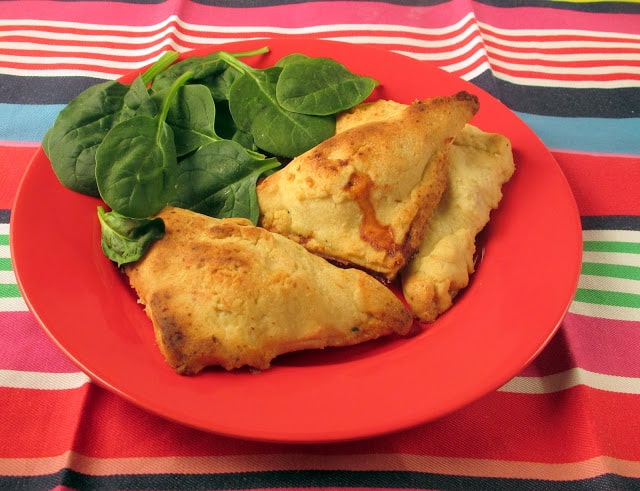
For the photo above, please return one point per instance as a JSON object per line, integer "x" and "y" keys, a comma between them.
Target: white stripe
{"x": 604, "y": 45}
{"x": 527, "y": 56}
{"x": 7, "y": 278}
{"x": 572, "y": 378}
{"x": 608, "y": 283}
{"x": 12, "y": 304}
{"x": 4, "y": 229}
{"x": 4, "y": 251}
{"x": 207, "y": 29}
{"x": 462, "y": 65}
{"x": 536, "y": 33}
{"x": 622, "y": 258}
{"x": 421, "y": 43}
{"x": 90, "y": 33}
{"x": 568, "y": 70}
{"x": 113, "y": 70}
{"x": 576, "y": 84}
{"x": 476, "y": 72}
{"x": 91, "y": 50}
{"x": 383, "y": 40}
{"x": 15, "y": 379}
{"x": 605, "y": 311}
{"x": 611, "y": 235}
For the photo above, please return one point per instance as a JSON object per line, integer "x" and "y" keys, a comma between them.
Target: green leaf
{"x": 291, "y": 58}
{"x": 124, "y": 239}
{"x": 136, "y": 166}
{"x": 219, "y": 180}
{"x": 321, "y": 86}
{"x": 192, "y": 118}
{"x": 255, "y": 109}
{"x": 72, "y": 141}
{"x": 136, "y": 162}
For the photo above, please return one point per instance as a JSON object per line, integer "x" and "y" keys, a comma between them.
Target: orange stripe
{"x": 216, "y": 464}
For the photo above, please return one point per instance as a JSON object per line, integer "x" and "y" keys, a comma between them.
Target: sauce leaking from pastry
{"x": 480, "y": 163}
{"x": 363, "y": 197}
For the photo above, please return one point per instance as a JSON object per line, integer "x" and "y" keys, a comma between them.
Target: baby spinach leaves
{"x": 219, "y": 179}
{"x": 136, "y": 162}
{"x": 255, "y": 110}
{"x": 197, "y": 133}
{"x": 71, "y": 143}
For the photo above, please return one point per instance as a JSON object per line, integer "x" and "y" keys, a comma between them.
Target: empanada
{"x": 363, "y": 197}
{"x": 223, "y": 292}
{"x": 479, "y": 164}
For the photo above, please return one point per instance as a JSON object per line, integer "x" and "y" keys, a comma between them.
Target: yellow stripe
{"x": 596, "y": 1}
{"x": 481, "y": 468}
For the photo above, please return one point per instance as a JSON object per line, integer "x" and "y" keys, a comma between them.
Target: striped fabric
{"x": 569, "y": 421}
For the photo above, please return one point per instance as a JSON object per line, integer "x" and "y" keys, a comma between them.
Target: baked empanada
{"x": 223, "y": 292}
{"x": 363, "y": 197}
{"x": 479, "y": 164}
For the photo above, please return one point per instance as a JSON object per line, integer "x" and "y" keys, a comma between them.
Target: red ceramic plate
{"x": 523, "y": 286}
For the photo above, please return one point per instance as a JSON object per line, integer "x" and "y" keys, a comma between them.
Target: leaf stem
{"x": 232, "y": 58}
{"x": 171, "y": 94}
{"x": 173, "y": 90}
{"x": 167, "y": 59}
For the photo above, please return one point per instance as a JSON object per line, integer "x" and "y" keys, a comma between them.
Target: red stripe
{"x": 553, "y": 428}
{"x": 19, "y": 157}
{"x": 601, "y": 183}
{"x": 549, "y": 428}
{"x": 564, "y": 63}
{"x": 40, "y": 423}
{"x": 569, "y": 77}
{"x": 573, "y": 50}
{"x": 547, "y": 42}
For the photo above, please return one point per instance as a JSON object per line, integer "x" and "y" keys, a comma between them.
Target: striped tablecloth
{"x": 571, "y": 420}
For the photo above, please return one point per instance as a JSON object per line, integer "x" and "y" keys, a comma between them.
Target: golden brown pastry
{"x": 223, "y": 292}
{"x": 479, "y": 164}
{"x": 363, "y": 197}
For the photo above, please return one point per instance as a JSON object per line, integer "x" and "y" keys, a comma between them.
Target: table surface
{"x": 570, "y": 420}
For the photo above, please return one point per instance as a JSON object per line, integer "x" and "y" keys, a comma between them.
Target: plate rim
{"x": 314, "y": 436}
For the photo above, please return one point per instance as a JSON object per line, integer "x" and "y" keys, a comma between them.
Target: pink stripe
{"x": 25, "y": 346}
{"x": 597, "y": 345}
{"x": 5, "y": 143}
{"x": 293, "y": 15}
{"x": 549, "y": 18}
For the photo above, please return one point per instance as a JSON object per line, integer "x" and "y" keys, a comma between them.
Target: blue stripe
{"x": 27, "y": 122}
{"x": 597, "y": 135}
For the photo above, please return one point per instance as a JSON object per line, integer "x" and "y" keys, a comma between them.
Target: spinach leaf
{"x": 291, "y": 58}
{"x": 124, "y": 239}
{"x": 137, "y": 102}
{"x": 136, "y": 162}
{"x": 255, "y": 109}
{"x": 212, "y": 70}
{"x": 321, "y": 86}
{"x": 192, "y": 117}
{"x": 219, "y": 180}
{"x": 72, "y": 141}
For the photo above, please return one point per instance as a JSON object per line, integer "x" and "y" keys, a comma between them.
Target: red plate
{"x": 518, "y": 296}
